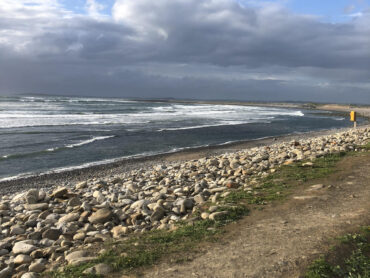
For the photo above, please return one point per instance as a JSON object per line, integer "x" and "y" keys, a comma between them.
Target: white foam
{"x": 69, "y": 146}
{"x": 85, "y": 142}
{"x": 81, "y": 143}
{"x": 63, "y": 111}
{"x": 204, "y": 126}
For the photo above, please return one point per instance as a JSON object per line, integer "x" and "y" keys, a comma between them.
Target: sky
{"x": 282, "y": 50}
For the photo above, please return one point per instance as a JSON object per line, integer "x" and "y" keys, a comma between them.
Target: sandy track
{"x": 280, "y": 240}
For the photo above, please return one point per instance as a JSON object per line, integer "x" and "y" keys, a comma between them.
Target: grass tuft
{"x": 349, "y": 258}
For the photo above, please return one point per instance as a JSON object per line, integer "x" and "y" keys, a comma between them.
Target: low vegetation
{"x": 350, "y": 257}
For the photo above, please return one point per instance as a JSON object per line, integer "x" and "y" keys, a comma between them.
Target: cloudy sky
{"x": 297, "y": 50}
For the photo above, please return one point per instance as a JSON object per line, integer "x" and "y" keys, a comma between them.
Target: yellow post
{"x": 353, "y": 118}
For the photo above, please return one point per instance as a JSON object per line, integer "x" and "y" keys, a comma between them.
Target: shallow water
{"x": 39, "y": 134}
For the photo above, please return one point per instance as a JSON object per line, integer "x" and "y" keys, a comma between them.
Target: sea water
{"x": 40, "y": 134}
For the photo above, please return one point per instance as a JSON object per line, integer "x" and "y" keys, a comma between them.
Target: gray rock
{"x": 217, "y": 215}
{"x": 316, "y": 187}
{"x": 99, "y": 269}
{"x": 81, "y": 260}
{"x": 101, "y": 216}
{"x": 118, "y": 231}
{"x": 32, "y": 196}
{"x": 5, "y": 244}
{"x": 79, "y": 236}
{"x": 46, "y": 242}
{"x": 199, "y": 199}
{"x": 158, "y": 214}
{"x": 73, "y": 216}
{"x": 204, "y": 215}
{"x": 6, "y": 272}
{"x": 81, "y": 185}
{"x": 85, "y": 206}
{"x": 4, "y": 206}
{"x": 51, "y": 234}
{"x": 29, "y": 275}
{"x": 59, "y": 192}
{"x": 23, "y": 248}
{"x": 74, "y": 202}
{"x": 37, "y": 267}
{"x": 188, "y": 203}
{"x": 76, "y": 255}
{"x": 22, "y": 259}
{"x": 17, "y": 230}
{"x": 99, "y": 196}
{"x": 41, "y": 206}
{"x": 139, "y": 204}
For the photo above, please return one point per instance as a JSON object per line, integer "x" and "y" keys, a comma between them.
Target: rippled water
{"x": 39, "y": 134}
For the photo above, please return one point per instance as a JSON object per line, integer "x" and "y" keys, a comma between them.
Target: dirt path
{"x": 283, "y": 238}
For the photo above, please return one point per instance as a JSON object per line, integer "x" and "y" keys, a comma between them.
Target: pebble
{"x": 6, "y": 272}
{"x": 37, "y": 267}
{"x": 101, "y": 216}
{"x": 76, "y": 255}
{"x": 29, "y": 275}
{"x": 52, "y": 234}
{"x": 22, "y": 259}
{"x": 217, "y": 215}
{"x": 23, "y": 248}
{"x": 73, "y": 216}
{"x": 99, "y": 269}
{"x": 59, "y": 192}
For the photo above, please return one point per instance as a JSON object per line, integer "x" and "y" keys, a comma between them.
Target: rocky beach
{"x": 177, "y": 139}
{"x": 46, "y": 228}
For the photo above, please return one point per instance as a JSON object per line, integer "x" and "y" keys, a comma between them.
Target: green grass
{"x": 349, "y": 258}
{"x": 72, "y": 271}
{"x": 148, "y": 248}
{"x": 276, "y": 186}
{"x": 365, "y": 147}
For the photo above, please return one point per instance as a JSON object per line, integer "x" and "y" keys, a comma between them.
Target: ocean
{"x": 40, "y": 134}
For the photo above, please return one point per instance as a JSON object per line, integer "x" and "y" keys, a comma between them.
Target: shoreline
{"x": 60, "y": 224}
{"x": 122, "y": 165}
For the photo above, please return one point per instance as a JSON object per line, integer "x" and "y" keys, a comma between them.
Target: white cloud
{"x": 94, "y": 8}
{"x": 219, "y": 40}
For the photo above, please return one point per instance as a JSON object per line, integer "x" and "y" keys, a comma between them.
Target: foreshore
{"x": 102, "y": 171}
{"x": 51, "y": 227}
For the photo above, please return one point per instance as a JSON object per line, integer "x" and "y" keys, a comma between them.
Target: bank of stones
{"x": 44, "y": 229}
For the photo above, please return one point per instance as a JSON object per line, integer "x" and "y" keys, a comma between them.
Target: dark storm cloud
{"x": 178, "y": 48}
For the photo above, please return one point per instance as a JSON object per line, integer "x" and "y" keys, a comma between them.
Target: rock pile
{"x": 40, "y": 229}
